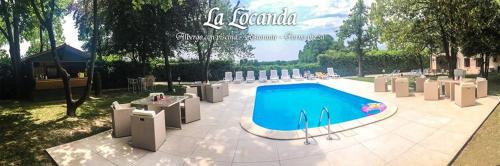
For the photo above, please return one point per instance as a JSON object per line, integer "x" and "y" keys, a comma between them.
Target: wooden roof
{"x": 65, "y": 52}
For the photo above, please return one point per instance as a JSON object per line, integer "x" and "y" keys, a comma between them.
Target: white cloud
{"x": 322, "y": 22}
{"x": 70, "y": 32}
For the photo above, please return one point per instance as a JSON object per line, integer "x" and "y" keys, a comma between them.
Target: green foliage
{"x": 315, "y": 47}
{"x": 359, "y": 32}
{"x": 375, "y": 62}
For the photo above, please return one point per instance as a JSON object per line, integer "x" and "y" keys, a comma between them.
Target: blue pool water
{"x": 278, "y": 107}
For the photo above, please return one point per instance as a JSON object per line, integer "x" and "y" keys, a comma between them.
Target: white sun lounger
{"x": 262, "y": 76}
{"x": 250, "y": 76}
{"x": 274, "y": 76}
{"x": 228, "y": 76}
{"x": 284, "y": 75}
{"x": 238, "y": 78}
{"x": 296, "y": 75}
{"x": 331, "y": 73}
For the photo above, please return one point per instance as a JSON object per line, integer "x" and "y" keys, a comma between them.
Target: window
{"x": 494, "y": 59}
{"x": 478, "y": 62}
{"x": 466, "y": 62}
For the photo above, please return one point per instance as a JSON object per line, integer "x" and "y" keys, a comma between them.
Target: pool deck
{"x": 419, "y": 133}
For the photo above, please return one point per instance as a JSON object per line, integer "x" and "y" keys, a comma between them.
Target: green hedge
{"x": 374, "y": 62}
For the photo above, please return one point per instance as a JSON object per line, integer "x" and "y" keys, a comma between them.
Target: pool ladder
{"x": 303, "y": 114}
{"x": 321, "y": 118}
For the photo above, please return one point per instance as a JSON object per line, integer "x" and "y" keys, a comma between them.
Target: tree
{"x": 210, "y": 44}
{"x": 401, "y": 31}
{"x": 46, "y": 18}
{"x": 14, "y": 15}
{"x": 315, "y": 47}
{"x": 358, "y": 28}
{"x": 482, "y": 32}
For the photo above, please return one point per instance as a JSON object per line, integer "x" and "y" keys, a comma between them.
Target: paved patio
{"x": 419, "y": 133}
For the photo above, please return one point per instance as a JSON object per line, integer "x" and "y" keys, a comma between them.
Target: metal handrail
{"x": 303, "y": 114}
{"x": 321, "y": 118}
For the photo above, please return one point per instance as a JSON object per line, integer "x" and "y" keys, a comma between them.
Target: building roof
{"x": 65, "y": 52}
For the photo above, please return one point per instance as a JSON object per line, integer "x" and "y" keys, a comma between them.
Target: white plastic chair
{"x": 296, "y": 75}
{"x": 262, "y": 76}
{"x": 238, "y": 78}
{"x": 284, "y": 75}
{"x": 250, "y": 76}
{"x": 274, "y": 76}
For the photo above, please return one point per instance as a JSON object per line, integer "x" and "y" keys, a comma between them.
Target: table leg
{"x": 173, "y": 116}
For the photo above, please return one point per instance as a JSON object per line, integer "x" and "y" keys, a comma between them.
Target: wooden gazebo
{"x": 42, "y": 68}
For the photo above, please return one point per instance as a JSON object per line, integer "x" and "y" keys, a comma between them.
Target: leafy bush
{"x": 374, "y": 62}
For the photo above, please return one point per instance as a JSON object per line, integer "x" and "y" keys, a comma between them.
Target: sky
{"x": 314, "y": 17}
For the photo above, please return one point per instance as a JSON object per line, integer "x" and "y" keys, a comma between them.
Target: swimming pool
{"x": 277, "y": 107}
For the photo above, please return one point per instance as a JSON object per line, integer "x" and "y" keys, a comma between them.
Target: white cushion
{"x": 143, "y": 113}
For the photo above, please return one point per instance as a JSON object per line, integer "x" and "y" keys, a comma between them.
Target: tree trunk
{"x": 487, "y": 66}
{"x": 453, "y": 63}
{"x": 168, "y": 69}
{"x": 360, "y": 65}
{"x": 16, "y": 54}
{"x": 481, "y": 64}
{"x": 421, "y": 62}
{"x": 205, "y": 68}
{"x": 41, "y": 38}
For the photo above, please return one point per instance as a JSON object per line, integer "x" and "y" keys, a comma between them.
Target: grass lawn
{"x": 28, "y": 128}
{"x": 484, "y": 147}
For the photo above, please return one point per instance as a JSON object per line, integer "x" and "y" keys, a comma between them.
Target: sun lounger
{"x": 250, "y": 76}
{"x": 296, "y": 75}
{"x": 274, "y": 76}
{"x": 238, "y": 78}
{"x": 228, "y": 76}
{"x": 262, "y": 76}
{"x": 284, "y": 75}
{"x": 320, "y": 75}
{"x": 331, "y": 73}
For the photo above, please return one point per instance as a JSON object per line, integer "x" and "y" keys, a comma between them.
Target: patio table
{"x": 172, "y": 107}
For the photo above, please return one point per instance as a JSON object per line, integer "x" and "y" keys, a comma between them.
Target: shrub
{"x": 374, "y": 62}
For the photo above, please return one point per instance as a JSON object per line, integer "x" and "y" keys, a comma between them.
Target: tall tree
{"x": 399, "y": 31}
{"x": 209, "y": 44}
{"x": 47, "y": 20}
{"x": 13, "y": 16}
{"x": 482, "y": 32}
{"x": 359, "y": 29}
{"x": 315, "y": 47}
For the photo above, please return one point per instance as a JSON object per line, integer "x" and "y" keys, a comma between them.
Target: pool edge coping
{"x": 251, "y": 127}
